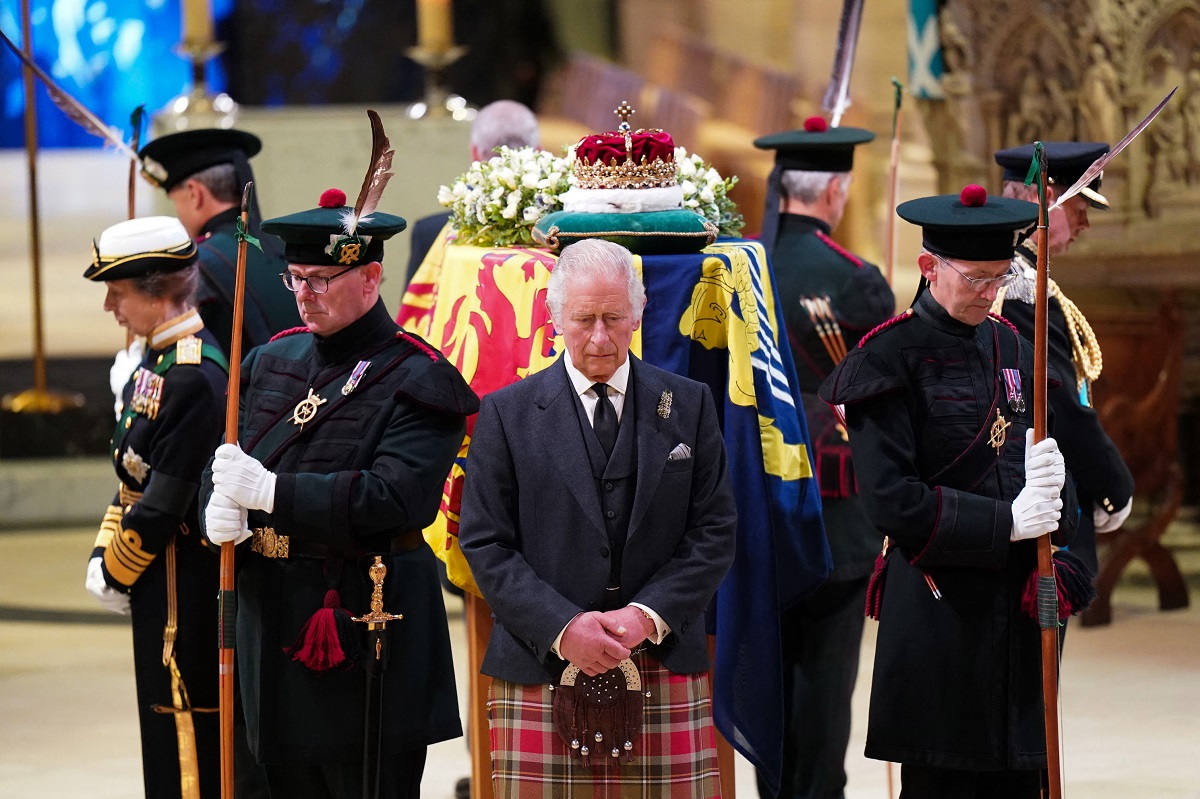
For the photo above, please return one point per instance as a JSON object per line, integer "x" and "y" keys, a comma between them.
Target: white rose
{"x": 685, "y": 168}
{"x": 510, "y": 210}
{"x": 531, "y": 213}
{"x": 688, "y": 187}
{"x": 706, "y": 195}
{"x": 530, "y": 180}
{"x": 692, "y": 203}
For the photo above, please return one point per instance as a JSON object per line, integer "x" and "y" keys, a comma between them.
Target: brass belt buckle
{"x": 266, "y": 543}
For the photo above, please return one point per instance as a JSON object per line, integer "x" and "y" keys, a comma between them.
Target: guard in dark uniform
{"x": 203, "y": 173}
{"x": 349, "y": 427}
{"x": 149, "y": 559}
{"x": 937, "y": 403}
{"x": 1103, "y": 483}
{"x": 831, "y": 298}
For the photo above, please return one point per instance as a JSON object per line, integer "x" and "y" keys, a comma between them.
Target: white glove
{"x": 1044, "y": 465}
{"x": 122, "y": 369}
{"x": 1037, "y": 508}
{"x": 225, "y": 520}
{"x": 1035, "y": 512}
{"x": 1107, "y": 522}
{"x": 109, "y": 597}
{"x": 243, "y": 479}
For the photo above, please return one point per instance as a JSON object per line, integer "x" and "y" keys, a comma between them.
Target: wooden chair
{"x": 1137, "y": 399}
{"x": 572, "y": 87}
{"x": 665, "y": 63}
{"x": 678, "y": 113}
{"x": 616, "y": 85}
{"x": 757, "y": 97}
{"x": 682, "y": 62}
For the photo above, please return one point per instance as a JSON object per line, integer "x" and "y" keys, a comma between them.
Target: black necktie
{"x": 604, "y": 422}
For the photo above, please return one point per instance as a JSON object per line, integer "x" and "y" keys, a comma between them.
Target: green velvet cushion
{"x": 649, "y": 233}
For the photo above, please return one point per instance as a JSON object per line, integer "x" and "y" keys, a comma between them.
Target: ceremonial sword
{"x": 374, "y": 664}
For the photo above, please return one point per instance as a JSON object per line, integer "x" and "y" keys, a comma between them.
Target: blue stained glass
{"x": 111, "y": 55}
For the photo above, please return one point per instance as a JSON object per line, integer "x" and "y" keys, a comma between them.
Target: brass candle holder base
{"x": 197, "y": 108}
{"x": 438, "y": 102}
{"x": 36, "y": 400}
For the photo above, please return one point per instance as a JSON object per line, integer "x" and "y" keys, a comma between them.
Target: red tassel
{"x": 875, "y": 585}
{"x": 1029, "y": 596}
{"x": 1073, "y": 582}
{"x": 328, "y": 639}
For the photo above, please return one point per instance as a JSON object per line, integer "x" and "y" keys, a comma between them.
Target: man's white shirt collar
{"x": 581, "y": 383}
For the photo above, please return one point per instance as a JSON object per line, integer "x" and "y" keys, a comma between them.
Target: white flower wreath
{"x": 497, "y": 202}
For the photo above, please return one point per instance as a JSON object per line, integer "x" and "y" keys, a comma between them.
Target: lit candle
{"x": 434, "y": 25}
{"x": 197, "y": 21}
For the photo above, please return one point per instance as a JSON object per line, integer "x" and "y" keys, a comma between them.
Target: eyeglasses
{"x": 317, "y": 284}
{"x": 980, "y": 284}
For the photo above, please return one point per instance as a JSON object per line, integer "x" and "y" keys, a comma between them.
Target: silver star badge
{"x": 138, "y": 469}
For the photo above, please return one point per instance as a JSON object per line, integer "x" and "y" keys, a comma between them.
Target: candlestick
{"x": 438, "y": 102}
{"x": 435, "y": 25}
{"x": 197, "y": 22}
{"x": 197, "y": 108}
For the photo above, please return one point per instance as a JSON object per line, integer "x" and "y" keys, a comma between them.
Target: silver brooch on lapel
{"x": 664, "y": 405}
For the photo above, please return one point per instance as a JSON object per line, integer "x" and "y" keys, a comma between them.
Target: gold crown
{"x": 592, "y": 171}
{"x": 628, "y": 175}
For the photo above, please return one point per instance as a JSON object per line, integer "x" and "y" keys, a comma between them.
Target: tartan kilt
{"x": 675, "y": 755}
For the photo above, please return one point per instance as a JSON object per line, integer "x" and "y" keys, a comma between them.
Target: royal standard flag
{"x": 728, "y": 334}
{"x": 713, "y": 317}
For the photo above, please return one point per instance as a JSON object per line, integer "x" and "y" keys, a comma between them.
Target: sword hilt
{"x": 377, "y": 618}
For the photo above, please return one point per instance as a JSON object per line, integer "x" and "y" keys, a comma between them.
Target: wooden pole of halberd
{"x": 726, "y": 761}
{"x": 479, "y": 628}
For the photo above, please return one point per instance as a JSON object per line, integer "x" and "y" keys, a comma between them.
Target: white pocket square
{"x": 681, "y": 452}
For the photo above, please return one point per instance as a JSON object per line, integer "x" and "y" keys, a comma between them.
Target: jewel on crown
{"x": 624, "y": 158}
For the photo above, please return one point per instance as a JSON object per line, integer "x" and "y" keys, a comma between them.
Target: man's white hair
{"x": 504, "y": 123}
{"x": 807, "y": 186}
{"x": 585, "y": 261}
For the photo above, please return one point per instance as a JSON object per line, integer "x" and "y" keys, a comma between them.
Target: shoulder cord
{"x": 1085, "y": 350}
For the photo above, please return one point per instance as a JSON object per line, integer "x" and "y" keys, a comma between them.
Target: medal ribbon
{"x": 1012, "y": 383}
{"x": 355, "y": 376}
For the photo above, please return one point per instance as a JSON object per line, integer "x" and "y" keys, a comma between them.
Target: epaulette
{"x": 189, "y": 349}
{"x": 291, "y": 331}
{"x": 884, "y": 325}
{"x": 416, "y": 342}
{"x": 840, "y": 250}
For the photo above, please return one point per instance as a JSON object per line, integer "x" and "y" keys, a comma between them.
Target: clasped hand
{"x": 109, "y": 597}
{"x": 225, "y": 521}
{"x": 243, "y": 479}
{"x": 597, "y": 642}
{"x": 1036, "y": 509}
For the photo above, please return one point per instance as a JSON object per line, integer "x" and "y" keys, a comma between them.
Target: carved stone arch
{"x": 1165, "y": 164}
{"x": 1036, "y": 82}
{"x": 1011, "y": 45}
{"x": 1149, "y": 27}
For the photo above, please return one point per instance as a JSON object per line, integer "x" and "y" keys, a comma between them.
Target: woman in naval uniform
{"x": 149, "y": 560}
